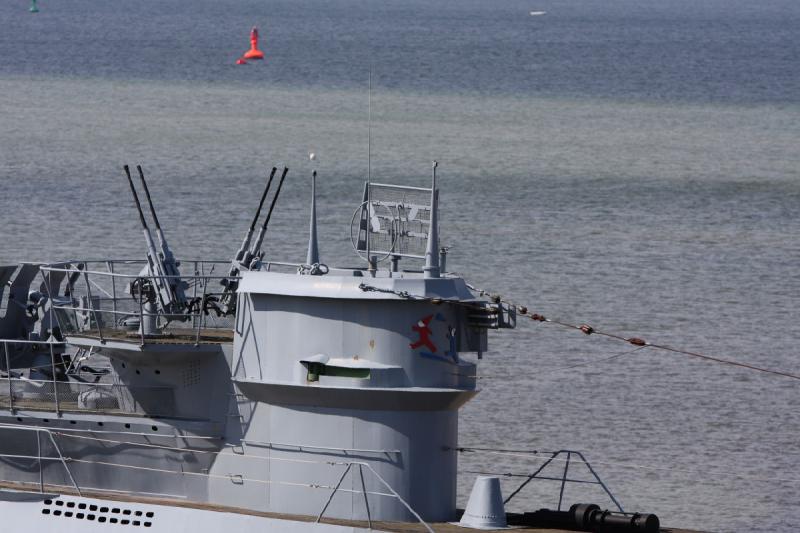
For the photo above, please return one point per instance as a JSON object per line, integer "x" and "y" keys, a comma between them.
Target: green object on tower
{"x": 33, "y": 8}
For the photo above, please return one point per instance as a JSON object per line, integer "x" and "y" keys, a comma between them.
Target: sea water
{"x": 632, "y": 165}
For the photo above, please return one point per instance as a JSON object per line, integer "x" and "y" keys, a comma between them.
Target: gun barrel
{"x": 135, "y": 196}
{"x": 275, "y": 198}
{"x": 262, "y": 232}
{"x": 263, "y": 197}
{"x": 147, "y": 194}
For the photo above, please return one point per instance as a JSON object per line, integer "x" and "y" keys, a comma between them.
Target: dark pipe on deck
{"x": 589, "y": 517}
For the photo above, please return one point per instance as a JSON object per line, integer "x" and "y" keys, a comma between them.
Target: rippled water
{"x": 631, "y": 165}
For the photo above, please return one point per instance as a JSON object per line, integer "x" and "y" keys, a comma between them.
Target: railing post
{"x": 141, "y": 311}
{"x": 91, "y": 306}
{"x": 364, "y": 490}
{"x": 333, "y": 493}
{"x": 10, "y": 383}
{"x": 530, "y": 478}
{"x": 64, "y": 463}
{"x": 394, "y": 493}
{"x": 613, "y": 499}
{"x": 200, "y": 310}
{"x": 194, "y": 288}
{"x": 39, "y": 454}
{"x": 55, "y": 382}
{"x": 113, "y": 290}
{"x": 564, "y": 481}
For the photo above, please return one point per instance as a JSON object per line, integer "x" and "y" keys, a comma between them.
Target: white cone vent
{"x": 485, "y": 509}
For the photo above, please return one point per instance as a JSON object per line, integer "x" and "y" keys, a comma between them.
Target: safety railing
{"x": 569, "y": 458}
{"x": 361, "y": 466}
{"x": 349, "y": 467}
{"x": 60, "y": 393}
{"x": 39, "y": 457}
{"x": 109, "y": 300}
{"x": 58, "y": 396}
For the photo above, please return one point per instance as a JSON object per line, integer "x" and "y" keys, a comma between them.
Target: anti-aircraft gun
{"x": 249, "y": 257}
{"x": 160, "y": 287}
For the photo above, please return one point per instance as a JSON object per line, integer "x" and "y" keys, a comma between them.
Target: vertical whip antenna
{"x": 432, "y": 251}
{"x": 369, "y": 164}
{"x": 313, "y": 246}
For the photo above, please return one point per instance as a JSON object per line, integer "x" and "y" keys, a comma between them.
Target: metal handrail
{"x": 564, "y": 479}
{"x": 361, "y": 467}
{"x": 39, "y": 454}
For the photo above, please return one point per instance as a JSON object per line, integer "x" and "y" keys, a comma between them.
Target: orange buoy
{"x": 254, "y": 52}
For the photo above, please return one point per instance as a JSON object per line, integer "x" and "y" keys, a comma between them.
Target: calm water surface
{"x": 631, "y": 164}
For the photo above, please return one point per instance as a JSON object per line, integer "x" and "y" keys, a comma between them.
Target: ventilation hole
{"x": 89, "y": 517}
{"x": 70, "y": 504}
{"x": 136, "y": 523}
{"x": 125, "y": 522}
{"x": 48, "y": 502}
{"x": 59, "y": 502}
{"x": 81, "y": 506}
{"x": 113, "y": 520}
{"x": 68, "y": 514}
{"x": 57, "y": 512}
{"x": 79, "y": 515}
{"x": 126, "y": 511}
{"x": 123, "y": 365}
{"x": 101, "y": 518}
{"x": 149, "y": 514}
{"x": 46, "y": 420}
{"x": 115, "y": 510}
{"x": 154, "y": 428}
{"x": 127, "y": 426}
{"x": 92, "y": 507}
{"x": 147, "y": 524}
{"x": 138, "y": 513}
{"x": 138, "y": 371}
{"x": 104, "y": 509}
{"x": 100, "y": 424}
{"x": 158, "y": 371}
{"x": 72, "y": 422}
{"x": 19, "y": 419}
{"x": 45, "y": 511}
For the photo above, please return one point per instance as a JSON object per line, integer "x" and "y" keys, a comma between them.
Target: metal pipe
{"x": 563, "y": 481}
{"x": 63, "y": 462}
{"x": 333, "y": 492}
{"x": 200, "y": 315}
{"x": 531, "y": 477}
{"x": 600, "y": 481}
{"x": 10, "y": 383}
{"x": 113, "y": 289}
{"x": 364, "y": 489}
{"x": 91, "y": 307}
{"x": 390, "y": 489}
{"x": 55, "y": 383}
{"x": 41, "y": 470}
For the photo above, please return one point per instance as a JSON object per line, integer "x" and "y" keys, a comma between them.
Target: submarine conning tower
{"x": 363, "y": 365}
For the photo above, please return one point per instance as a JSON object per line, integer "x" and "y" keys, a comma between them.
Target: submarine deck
{"x": 388, "y": 527}
{"x": 172, "y": 336}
